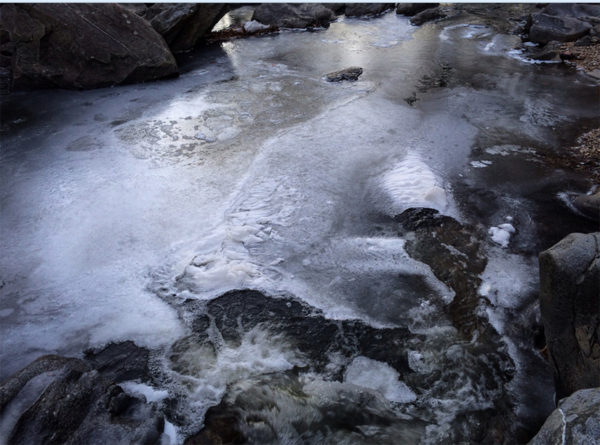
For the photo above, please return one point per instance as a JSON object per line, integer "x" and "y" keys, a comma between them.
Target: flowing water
{"x": 121, "y": 206}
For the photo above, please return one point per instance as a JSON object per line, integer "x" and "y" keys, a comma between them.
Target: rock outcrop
{"x": 82, "y": 402}
{"x": 410, "y": 9}
{"x": 352, "y": 74}
{"x": 362, "y": 9}
{"x": 575, "y": 421}
{"x": 286, "y": 15}
{"x": 562, "y": 22}
{"x": 427, "y": 15}
{"x": 183, "y": 25}
{"x": 80, "y": 46}
{"x": 570, "y": 307}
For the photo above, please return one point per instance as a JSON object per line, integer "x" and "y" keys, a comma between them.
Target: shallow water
{"x": 251, "y": 171}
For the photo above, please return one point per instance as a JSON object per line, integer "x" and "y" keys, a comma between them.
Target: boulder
{"x": 360, "y": 9}
{"x": 545, "y": 28}
{"x": 286, "y": 15}
{"x": 352, "y": 74}
{"x": 80, "y": 46}
{"x": 575, "y": 421}
{"x": 427, "y": 15}
{"x": 410, "y": 9}
{"x": 83, "y": 402}
{"x": 570, "y": 308}
{"x": 589, "y": 205}
{"x": 183, "y": 25}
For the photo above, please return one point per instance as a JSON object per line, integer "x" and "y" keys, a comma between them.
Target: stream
{"x": 130, "y": 213}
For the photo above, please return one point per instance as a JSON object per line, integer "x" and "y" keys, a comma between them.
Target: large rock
{"x": 80, "y": 46}
{"x": 183, "y": 25}
{"x": 286, "y": 15}
{"x": 360, "y": 9}
{"x": 545, "y": 28}
{"x": 589, "y": 205}
{"x": 410, "y": 9}
{"x": 82, "y": 401}
{"x": 570, "y": 307}
{"x": 575, "y": 421}
{"x": 427, "y": 15}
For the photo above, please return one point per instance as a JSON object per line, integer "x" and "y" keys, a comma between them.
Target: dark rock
{"x": 458, "y": 266}
{"x": 82, "y": 46}
{"x": 360, "y": 9}
{"x": 575, "y": 421}
{"x": 410, "y": 9}
{"x": 183, "y": 25}
{"x": 570, "y": 307}
{"x": 588, "y": 13}
{"x": 588, "y": 40}
{"x": 550, "y": 51}
{"x": 352, "y": 74}
{"x": 286, "y": 15}
{"x": 137, "y": 8}
{"x": 545, "y": 28}
{"x": 589, "y": 205}
{"x": 83, "y": 403}
{"x": 427, "y": 15}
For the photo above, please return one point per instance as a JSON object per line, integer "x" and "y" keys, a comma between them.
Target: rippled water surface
{"x": 250, "y": 171}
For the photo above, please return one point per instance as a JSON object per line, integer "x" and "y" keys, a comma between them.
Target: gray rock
{"x": 410, "y": 9}
{"x": 570, "y": 307}
{"x": 427, "y": 15}
{"x": 361, "y": 9}
{"x": 83, "y": 403}
{"x": 352, "y": 73}
{"x": 589, "y": 205}
{"x": 588, "y": 40}
{"x": 575, "y": 421}
{"x": 183, "y": 25}
{"x": 286, "y": 15}
{"x": 545, "y": 28}
{"x": 81, "y": 46}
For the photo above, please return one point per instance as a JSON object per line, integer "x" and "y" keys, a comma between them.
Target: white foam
{"x": 169, "y": 435}
{"x": 151, "y": 394}
{"x": 380, "y": 377}
{"x": 480, "y": 164}
{"x": 501, "y": 234}
{"x": 254, "y": 26}
{"x": 507, "y": 279}
{"x": 411, "y": 183}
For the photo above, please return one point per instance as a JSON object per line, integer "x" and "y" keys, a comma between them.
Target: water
{"x": 250, "y": 171}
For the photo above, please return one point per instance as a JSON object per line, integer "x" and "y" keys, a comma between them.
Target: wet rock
{"x": 183, "y": 25}
{"x": 81, "y": 46}
{"x": 570, "y": 307}
{"x": 83, "y": 403}
{"x": 362, "y": 9}
{"x": 455, "y": 255}
{"x": 427, "y": 15}
{"x": 545, "y": 28}
{"x": 352, "y": 74}
{"x": 588, "y": 40}
{"x": 410, "y": 9}
{"x": 589, "y": 205}
{"x": 575, "y": 421}
{"x": 286, "y": 15}
{"x": 550, "y": 51}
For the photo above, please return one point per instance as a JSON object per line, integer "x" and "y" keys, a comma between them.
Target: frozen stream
{"x": 250, "y": 171}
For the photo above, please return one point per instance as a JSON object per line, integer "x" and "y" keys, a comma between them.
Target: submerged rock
{"x": 427, "y": 15}
{"x": 361, "y": 9}
{"x": 80, "y": 46}
{"x": 183, "y": 25}
{"x": 83, "y": 402}
{"x": 352, "y": 74}
{"x": 410, "y": 9}
{"x": 575, "y": 421}
{"x": 570, "y": 307}
{"x": 287, "y": 15}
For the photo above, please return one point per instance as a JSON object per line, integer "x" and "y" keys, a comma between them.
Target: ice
{"x": 254, "y": 26}
{"x": 480, "y": 164}
{"x": 508, "y": 278}
{"x": 501, "y": 234}
{"x": 151, "y": 394}
{"x": 379, "y": 377}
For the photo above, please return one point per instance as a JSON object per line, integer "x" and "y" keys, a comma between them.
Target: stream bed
{"x": 145, "y": 212}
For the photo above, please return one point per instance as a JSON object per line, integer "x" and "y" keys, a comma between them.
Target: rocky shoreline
{"x": 137, "y": 43}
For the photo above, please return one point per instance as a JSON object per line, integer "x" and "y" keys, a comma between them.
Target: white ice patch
{"x": 480, "y": 164}
{"x": 141, "y": 389}
{"x": 505, "y": 150}
{"x": 254, "y": 26}
{"x": 380, "y": 377}
{"x": 411, "y": 183}
{"x": 501, "y": 234}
